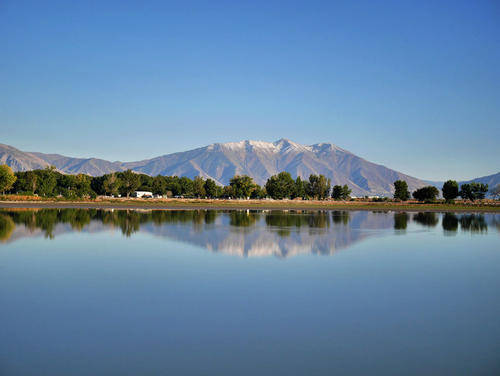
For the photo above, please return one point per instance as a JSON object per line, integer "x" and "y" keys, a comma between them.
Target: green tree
{"x": 31, "y": 181}
{"x": 401, "y": 190}
{"x": 199, "y": 187}
{"x": 450, "y": 190}
{"x": 211, "y": 188}
{"x": 258, "y": 193}
{"x": 7, "y": 178}
{"x": 186, "y": 185}
{"x": 337, "y": 192}
{"x": 66, "y": 185}
{"x": 130, "y": 182}
{"x": 83, "y": 185}
{"x": 173, "y": 185}
{"x": 318, "y": 187}
{"x": 48, "y": 181}
{"x": 280, "y": 186}
{"x": 112, "y": 184}
{"x": 146, "y": 182}
{"x": 25, "y": 182}
{"x": 97, "y": 184}
{"x": 227, "y": 192}
{"x": 426, "y": 193}
{"x": 340, "y": 192}
{"x": 300, "y": 188}
{"x": 242, "y": 186}
{"x": 473, "y": 191}
{"x": 159, "y": 185}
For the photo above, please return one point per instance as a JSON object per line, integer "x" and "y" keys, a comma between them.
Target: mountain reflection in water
{"x": 241, "y": 232}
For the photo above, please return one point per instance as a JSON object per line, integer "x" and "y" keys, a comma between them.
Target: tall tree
{"x": 199, "y": 187}
{"x": 211, "y": 188}
{"x": 280, "y": 186}
{"x": 159, "y": 186}
{"x": 227, "y": 192}
{"x": 340, "y": 192}
{"x": 83, "y": 185}
{"x": 258, "y": 193}
{"x": 173, "y": 185}
{"x": 473, "y": 191}
{"x": 300, "y": 188}
{"x": 318, "y": 187}
{"x": 401, "y": 190}
{"x": 112, "y": 184}
{"x": 450, "y": 190}
{"x": 426, "y": 193}
{"x": 7, "y": 178}
{"x": 186, "y": 186}
{"x": 242, "y": 186}
{"x": 130, "y": 182}
{"x": 48, "y": 181}
{"x": 146, "y": 182}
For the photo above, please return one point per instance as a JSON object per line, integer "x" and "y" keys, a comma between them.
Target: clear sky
{"x": 414, "y": 85}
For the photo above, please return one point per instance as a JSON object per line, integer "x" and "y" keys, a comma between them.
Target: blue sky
{"x": 413, "y": 85}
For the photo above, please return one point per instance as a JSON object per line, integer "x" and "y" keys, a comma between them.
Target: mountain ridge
{"x": 221, "y": 161}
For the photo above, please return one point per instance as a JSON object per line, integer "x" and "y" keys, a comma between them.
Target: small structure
{"x": 143, "y": 194}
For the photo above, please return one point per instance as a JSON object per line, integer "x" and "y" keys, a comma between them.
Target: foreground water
{"x": 90, "y": 292}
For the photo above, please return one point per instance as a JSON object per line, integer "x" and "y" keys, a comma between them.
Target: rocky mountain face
{"x": 19, "y": 160}
{"x": 260, "y": 160}
{"x": 491, "y": 180}
{"x": 221, "y": 161}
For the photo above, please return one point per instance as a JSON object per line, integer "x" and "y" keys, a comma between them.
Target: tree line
{"x": 130, "y": 221}
{"x": 49, "y": 182}
{"x": 467, "y": 191}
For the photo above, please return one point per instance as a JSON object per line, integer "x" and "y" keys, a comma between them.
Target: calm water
{"x": 89, "y": 292}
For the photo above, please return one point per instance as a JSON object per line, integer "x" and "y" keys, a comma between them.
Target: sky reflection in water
{"x": 241, "y": 232}
{"x": 161, "y": 292}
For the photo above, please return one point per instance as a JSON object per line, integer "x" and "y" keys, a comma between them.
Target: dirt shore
{"x": 197, "y": 204}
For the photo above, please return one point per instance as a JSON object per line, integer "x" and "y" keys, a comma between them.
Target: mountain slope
{"x": 221, "y": 161}
{"x": 19, "y": 160}
{"x": 260, "y": 160}
{"x": 89, "y": 166}
{"x": 492, "y": 180}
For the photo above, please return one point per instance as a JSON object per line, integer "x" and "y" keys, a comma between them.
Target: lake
{"x": 242, "y": 292}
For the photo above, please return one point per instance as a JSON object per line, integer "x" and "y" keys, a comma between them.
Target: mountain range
{"x": 221, "y": 161}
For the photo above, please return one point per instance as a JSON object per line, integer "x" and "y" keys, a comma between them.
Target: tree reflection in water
{"x": 427, "y": 219}
{"x": 7, "y": 226}
{"x": 400, "y": 221}
{"x": 450, "y": 223}
{"x": 473, "y": 223}
{"x": 240, "y": 222}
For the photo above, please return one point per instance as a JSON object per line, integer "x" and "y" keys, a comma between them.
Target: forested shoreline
{"x": 49, "y": 182}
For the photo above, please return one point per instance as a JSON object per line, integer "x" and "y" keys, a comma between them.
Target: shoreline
{"x": 200, "y": 204}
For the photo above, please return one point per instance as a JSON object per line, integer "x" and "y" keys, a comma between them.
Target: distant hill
{"x": 19, "y": 160}
{"x": 492, "y": 181}
{"x": 89, "y": 166}
{"x": 221, "y": 161}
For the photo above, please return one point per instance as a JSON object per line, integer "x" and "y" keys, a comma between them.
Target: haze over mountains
{"x": 221, "y": 161}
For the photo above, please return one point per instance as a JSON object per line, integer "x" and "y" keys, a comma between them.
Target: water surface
{"x": 91, "y": 292}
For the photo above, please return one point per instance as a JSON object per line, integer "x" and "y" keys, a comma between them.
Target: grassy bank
{"x": 123, "y": 203}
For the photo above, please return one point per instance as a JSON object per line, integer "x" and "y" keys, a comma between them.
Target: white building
{"x": 143, "y": 194}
